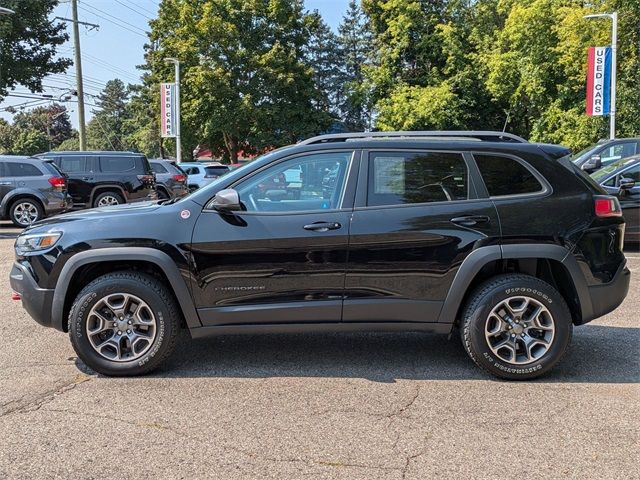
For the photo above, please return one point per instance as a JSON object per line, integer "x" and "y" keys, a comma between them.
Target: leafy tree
{"x": 51, "y": 120}
{"x": 356, "y": 49}
{"x": 106, "y": 130}
{"x": 29, "y": 142}
{"x": 28, "y": 42}
{"x": 246, "y": 84}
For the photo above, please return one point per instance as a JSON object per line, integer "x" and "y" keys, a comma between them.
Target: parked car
{"x": 201, "y": 174}
{"x": 622, "y": 179}
{"x": 171, "y": 180}
{"x": 100, "y": 179}
{"x": 605, "y": 152}
{"x": 506, "y": 241}
{"x": 30, "y": 190}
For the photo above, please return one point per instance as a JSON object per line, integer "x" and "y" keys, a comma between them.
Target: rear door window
{"x": 17, "y": 169}
{"x": 506, "y": 176}
{"x": 117, "y": 164}
{"x": 397, "y": 178}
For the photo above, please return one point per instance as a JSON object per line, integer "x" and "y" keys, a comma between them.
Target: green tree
{"x": 52, "y": 120}
{"x": 356, "y": 49}
{"x": 246, "y": 84}
{"x": 323, "y": 54}
{"x": 106, "y": 130}
{"x": 28, "y": 43}
{"x": 29, "y": 142}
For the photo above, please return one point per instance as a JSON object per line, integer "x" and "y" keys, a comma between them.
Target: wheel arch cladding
{"x": 111, "y": 259}
{"x": 16, "y": 195}
{"x": 551, "y": 263}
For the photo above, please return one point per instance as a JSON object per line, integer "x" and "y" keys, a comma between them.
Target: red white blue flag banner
{"x": 167, "y": 110}
{"x": 599, "y": 81}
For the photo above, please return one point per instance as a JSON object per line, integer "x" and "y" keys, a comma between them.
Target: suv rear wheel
{"x": 124, "y": 323}
{"x": 516, "y": 326}
{"x": 25, "y": 211}
{"x": 106, "y": 199}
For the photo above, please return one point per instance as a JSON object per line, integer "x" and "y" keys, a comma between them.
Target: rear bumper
{"x": 606, "y": 298}
{"x": 55, "y": 205}
{"x": 35, "y": 300}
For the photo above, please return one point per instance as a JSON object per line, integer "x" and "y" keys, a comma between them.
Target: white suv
{"x": 200, "y": 174}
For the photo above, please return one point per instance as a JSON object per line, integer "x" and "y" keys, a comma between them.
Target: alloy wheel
{"x": 25, "y": 213}
{"x": 520, "y": 330}
{"x": 107, "y": 201}
{"x": 121, "y": 327}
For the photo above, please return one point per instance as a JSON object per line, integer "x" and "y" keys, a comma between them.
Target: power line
{"x": 115, "y": 21}
{"x": 134, "y": 10}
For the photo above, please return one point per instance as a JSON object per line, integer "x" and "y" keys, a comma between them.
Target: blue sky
{"x": 114, "y": 50}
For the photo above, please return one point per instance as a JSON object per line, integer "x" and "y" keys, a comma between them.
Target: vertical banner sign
{"x": 167, "y": 110}
{"x": 599, "y": 81}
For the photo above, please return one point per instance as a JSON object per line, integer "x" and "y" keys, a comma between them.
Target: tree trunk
{"x": 231, "y": 144}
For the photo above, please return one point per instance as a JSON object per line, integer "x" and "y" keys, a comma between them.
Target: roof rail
{"x": 486, "y": 136}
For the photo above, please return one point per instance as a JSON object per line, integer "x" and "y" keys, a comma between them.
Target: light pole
{"x": 176, "y": 64}
{"x": 614, "y": 49}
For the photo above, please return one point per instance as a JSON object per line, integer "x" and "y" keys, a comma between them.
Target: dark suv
{"x": 506, "y": 240}
{"x": 31, "y": 189}
{"x": 100, "y": 179}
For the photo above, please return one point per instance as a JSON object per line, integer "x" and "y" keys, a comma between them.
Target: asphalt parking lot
{"x": 357, "y": 406}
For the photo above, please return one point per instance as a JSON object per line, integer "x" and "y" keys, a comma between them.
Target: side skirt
{"x": 442, "y": 328}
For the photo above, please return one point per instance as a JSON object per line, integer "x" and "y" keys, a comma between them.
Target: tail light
{"x": 607, "y": 207}
{"x": 180, "y": 178}
{"x": 58, "y": 183}
{"x": 15, "y": 296}
{"x": 147, "y": 178}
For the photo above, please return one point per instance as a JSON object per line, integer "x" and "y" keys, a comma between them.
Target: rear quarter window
{"x": 117, "y": 164}
{"x": 506, "y": 176}
{"x": 73, "y": 164}
{"x": 158, "y": 168}
{"x": 17, "y": 169}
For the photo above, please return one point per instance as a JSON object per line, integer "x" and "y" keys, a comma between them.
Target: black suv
{"x": 506, "y": 240}
{"x": 31, "y": 189}
{"x": 100, "y": 179}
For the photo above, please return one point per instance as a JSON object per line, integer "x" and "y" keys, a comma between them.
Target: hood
{"x": 98, "y": 213}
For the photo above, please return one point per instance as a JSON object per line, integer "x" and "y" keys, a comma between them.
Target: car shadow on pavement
{"x": 598, "y": 354}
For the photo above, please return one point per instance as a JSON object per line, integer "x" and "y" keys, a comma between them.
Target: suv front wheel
{"x": 516, "y": 326}
{"x": 124, "y": 323}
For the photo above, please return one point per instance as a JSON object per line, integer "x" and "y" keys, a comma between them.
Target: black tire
{"x": 475, "y": 318}
{"x": 162, "y": 194}
{"x": 18, "y": 208}
{"x": 160, "y": 302}
{"x": 104, "y": 195}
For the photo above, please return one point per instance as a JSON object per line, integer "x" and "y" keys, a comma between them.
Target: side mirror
{"x": 594, "y": 163}
{"x": 626, "y": 183}
{"x": 226, "y": 200}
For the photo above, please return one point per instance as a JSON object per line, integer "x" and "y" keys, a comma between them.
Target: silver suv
{"x": 31, "y": 189}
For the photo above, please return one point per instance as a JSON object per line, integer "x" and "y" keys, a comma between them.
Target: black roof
{"x": 91, "y": 152}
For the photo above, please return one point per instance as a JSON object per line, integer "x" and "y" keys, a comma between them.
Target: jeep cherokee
{"x": 504, "y": 240}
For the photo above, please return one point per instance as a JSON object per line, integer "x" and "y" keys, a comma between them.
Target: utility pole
{"x": 614, "y": 53}
{"x": 79, "y": 85}
{"x": 176, "y": 64}
{"x": 78, "y": 63}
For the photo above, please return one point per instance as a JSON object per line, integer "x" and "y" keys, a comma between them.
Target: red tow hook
{"x": 15, "y": 296}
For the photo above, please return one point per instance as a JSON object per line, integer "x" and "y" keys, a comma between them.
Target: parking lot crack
{"x": 32, "y": 403}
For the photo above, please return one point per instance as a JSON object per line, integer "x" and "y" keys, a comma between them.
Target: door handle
{"x": 87, "y": 178}
{"x": 470, "y": 220}
{"x": 322, "y": 226}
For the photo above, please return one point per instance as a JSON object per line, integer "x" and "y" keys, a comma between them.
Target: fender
{"x": 6, "y": 201}
{"x": 483, "y": 255}
{"x": 161, "y": 259}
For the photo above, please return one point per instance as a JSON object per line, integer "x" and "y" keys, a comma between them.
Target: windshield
{"x": 576, "y": 156}
{"x": 612, "y": 167}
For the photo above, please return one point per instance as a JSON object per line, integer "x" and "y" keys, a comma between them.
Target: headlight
{"x": 36, "y": 242}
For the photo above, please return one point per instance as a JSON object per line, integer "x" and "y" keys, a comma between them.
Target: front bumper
{"x": 606, "y": 298}
{"x": 35, "y": 300}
